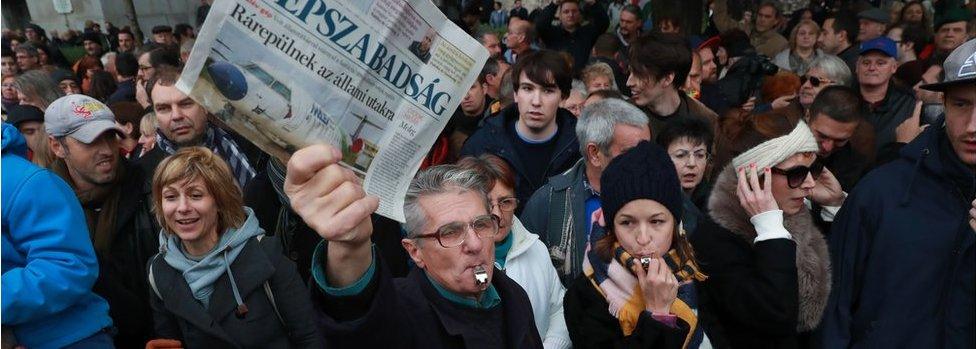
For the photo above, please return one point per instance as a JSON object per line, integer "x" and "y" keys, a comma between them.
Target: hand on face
{"x": 755, "y": 199}
{"x": 329, "y": 198}
{"x": 828, "y": 191}
{"x": 972, "y": 216}
{"x": 658, "y": 285}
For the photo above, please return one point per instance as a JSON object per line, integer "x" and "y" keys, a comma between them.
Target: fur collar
{"x": 812, "y": 259}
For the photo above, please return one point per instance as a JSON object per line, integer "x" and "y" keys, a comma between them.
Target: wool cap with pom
{"x": 643, "y": 172}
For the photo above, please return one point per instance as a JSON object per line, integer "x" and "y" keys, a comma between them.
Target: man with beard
{"x": 82, "y": 134}
{"x": 492, "y": 43}
{"x": 631, "y": 22}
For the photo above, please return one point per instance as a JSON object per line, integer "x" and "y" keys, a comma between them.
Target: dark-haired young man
{"x": 838, "y": 36}
{"x": 127, "y": 67}
{"x": 659, "y": 65}
{"x": 534, "y": 135}
{"x": 834, "y": 118}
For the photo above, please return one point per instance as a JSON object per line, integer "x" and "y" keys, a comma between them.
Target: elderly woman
{"x": 767, "y": 263}
{"x": 803, "y": 48}
{"x": 577, "y": 96}
{"x": 825, "y": 70}
{"x": 598, "y": 76}
{"x": 217, "y": 281}
{"x": 638, "y": 287}
{"x": 688, "y": 142}
{"x": 520, "y": 253}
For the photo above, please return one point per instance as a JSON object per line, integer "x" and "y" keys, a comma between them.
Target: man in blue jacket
{"x": 903, "y": 245}
{"x": 49, "y": 264}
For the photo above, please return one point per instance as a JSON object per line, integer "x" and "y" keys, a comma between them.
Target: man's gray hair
{"x": 579, "y": 87}
{"x": 438, "y": 180}
{"x": 597, "y": 121}
{"x": 834, "y": 68}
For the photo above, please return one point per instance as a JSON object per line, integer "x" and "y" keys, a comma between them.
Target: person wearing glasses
{"x": 639, "y": 282}
{"x": 454, "y": 298}
{"x": 766, "y": 261}
{"x": 825, "y": 70}
{"x": 689, "y": 144}
{"x": 520, "y": 253}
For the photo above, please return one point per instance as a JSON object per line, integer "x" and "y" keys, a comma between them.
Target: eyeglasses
{"x": 684, "y": 156}
{"x": 814, "y": 81}
{"x": 452, "y": 234}
{"x": 505, "y": 204}
{"x": 797, "y": 175}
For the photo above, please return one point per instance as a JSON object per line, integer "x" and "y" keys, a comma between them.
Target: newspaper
{"x": 378, "y": 79}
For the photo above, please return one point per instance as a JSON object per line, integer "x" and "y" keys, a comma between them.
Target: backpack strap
{"x": 152, "y": 278}
{"x": 270, "y": 294}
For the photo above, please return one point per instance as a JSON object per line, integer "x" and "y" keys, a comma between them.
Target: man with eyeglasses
{"x": 903, "y": 248}
{"x": 560, "y": 212}
{"x": 887, "y": 104}
{"x": 453, "y": 299}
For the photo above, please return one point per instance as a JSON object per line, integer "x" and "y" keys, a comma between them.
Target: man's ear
{"x": 56, "y": 147}
{"x": 667, "y": 80}
{"x": 127, "y": 127}
{"x": 412, "y": 248}
{"x": 593, "y": 155}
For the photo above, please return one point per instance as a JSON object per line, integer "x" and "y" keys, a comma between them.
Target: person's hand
{"x": 141, "y": 95}
{"x": 329, "y": 198}
{"x": 755, "y": 199}
{"x": 972, "y": 216}
{"x": 910, "y": 128}
{"x": 828, "y": 191}
{"x": 658, "y": 284}
{"x": 783, "y": 102}
{"x": 749, "y": 105}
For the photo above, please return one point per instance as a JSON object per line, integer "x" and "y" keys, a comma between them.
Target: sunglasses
{"x": 797, "y": 175}
{"x": 815, "y": 81}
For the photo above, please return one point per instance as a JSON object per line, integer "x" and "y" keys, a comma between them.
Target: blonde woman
{"x": 803, "y": 48}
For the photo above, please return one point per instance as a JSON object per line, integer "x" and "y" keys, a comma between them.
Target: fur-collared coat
{"x": 769, "y": 294}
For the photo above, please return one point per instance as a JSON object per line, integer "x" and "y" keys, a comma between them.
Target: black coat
{"x": 122, "y": 271}
{"x": 579, "y": 42}
{"x": 180, "y": 316}
{"x": 904, "y": 254}
{"x": 752, "y": 291}
{"x": 591, "y": 325}
{"x": 495, "y": 138}
{"x": 410, "y": 313}
{"x": 885, "y": 116}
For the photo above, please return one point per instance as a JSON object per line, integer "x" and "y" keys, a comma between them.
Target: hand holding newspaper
{"x": 377, "y": 79}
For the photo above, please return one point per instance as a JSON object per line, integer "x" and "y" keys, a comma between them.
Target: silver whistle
{"x": 645, "y": 262}
{"x": 480, "y": 276}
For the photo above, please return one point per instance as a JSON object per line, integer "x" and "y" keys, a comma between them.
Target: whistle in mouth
{"x": 645, "y": 262}
{"x": 480, "y": 276}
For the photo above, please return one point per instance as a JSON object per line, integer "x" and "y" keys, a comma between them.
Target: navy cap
{"x": 875, "y": 14}
{"x": 882, "y": 44}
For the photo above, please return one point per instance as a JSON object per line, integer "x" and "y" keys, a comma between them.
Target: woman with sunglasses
{"x": 520, "y": 253}
{"x": 639, "y": 282}
{"x": 767, "y": 263}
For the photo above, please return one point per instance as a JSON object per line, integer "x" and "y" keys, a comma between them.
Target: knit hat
{"x": 774, "y": 151}
{"x": 643, "y": 172}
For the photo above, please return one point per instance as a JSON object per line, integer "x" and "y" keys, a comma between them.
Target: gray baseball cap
{"x": 959, "y": 68}
{"x": 79, "y": 116}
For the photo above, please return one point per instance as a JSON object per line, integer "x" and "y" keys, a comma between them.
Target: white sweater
{"x": 529, "y": 265}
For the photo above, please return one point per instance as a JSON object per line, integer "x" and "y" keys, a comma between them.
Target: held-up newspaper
{"x": 378, "y": 79}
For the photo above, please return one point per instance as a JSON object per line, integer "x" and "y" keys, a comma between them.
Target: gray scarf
{"x": 201, "y": 275}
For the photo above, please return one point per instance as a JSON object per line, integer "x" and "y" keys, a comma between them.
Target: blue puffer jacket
{"x": 903, "y": 254}
{"x": 49, "y": 264}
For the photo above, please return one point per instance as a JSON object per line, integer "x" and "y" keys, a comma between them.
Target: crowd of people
{"x": 632, "y": 174}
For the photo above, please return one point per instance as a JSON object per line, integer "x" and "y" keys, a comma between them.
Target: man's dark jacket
{"x": 410, "y": 313}
{"x": 887, "y": 115}
{"x": 903, "y": 254}
{"x": 579, "y": 42}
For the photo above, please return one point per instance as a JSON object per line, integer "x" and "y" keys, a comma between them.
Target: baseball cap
{"x": 19, "y": 114}
{"x": 875, "y": 14}
{"x": 883, "y": 44}
{"x": 79, "y": 116}
{"x": 959, "y": 68}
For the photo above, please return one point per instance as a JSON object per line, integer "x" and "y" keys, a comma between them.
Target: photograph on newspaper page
{"x": 377, "y": 79}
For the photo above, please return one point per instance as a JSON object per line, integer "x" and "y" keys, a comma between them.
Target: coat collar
{"x": 812, "y": 258}
{"x": 252, "y": 268}
{"x": 515, "y": 308}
